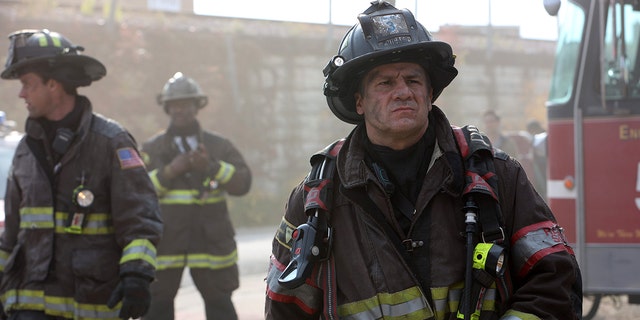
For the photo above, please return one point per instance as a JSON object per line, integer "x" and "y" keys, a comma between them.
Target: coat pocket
{"x": 96, "y": 274}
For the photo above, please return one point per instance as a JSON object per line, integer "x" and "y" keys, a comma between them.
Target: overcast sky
{"x": 528, "y": 14}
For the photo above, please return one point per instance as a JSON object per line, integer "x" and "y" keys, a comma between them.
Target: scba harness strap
{"x": 486, "y": 261}
{"x": 312, "y": 240}
{"x": 481, "y": 181}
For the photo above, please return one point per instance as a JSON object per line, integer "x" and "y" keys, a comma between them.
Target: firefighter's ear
{"x": 359, "y": 107}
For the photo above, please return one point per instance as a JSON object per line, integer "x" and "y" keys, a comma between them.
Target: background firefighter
{"x": 398, "y": 248}
{"x": 193, "y": 170}
{"x": 82, "y": 216}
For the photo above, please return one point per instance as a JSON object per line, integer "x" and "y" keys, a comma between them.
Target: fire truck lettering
{"x": 624, "y": 233}
{"x": 604, "y": 234}
{"x": 628, "y": 133}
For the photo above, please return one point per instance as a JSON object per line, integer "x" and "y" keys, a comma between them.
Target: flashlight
{"x": 490, "y": 258}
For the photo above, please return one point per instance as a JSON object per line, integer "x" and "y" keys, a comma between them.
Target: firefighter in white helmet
{"x": 193, "y": 171}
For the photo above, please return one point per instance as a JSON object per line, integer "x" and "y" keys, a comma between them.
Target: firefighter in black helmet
{"x": 399, "y": 244}
{"x": 193, "y": 171}
{"x": 82, "y": 216}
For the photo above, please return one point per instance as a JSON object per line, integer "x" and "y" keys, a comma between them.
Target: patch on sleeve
{"x": 129, "y": 158}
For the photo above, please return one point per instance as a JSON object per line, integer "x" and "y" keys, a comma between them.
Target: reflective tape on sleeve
{"x": 534, "y": 242}
{"x": 139, "y": 249}
{"x": 307, "y": 297}
{"x": 36, "y": 218}
{"x": 225, "y": 173}
{"x": 160, "y": 189}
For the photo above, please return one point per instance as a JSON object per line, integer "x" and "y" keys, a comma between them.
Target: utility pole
{"x": 492, "y": 101}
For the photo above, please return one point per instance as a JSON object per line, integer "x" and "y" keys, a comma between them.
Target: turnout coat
{"x": 198, "y": 229}
{"x": 65, "y": 259}
{"x": 366, "y": 276}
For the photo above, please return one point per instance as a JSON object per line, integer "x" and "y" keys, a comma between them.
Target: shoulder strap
{"x": 312, "y": 240}
{"x": 319, "y": 181}
{"x": 481, "y": 181}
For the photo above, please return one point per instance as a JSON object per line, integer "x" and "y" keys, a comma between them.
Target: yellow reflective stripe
{"x": 197, "y": 260}
{"x": 182, "y": 196}
{"x": 225, "y": 173}
{"x": 160, "y": 189}
{"x": 139, "y": 249}
{"x": 283, "y": 235}
{"x": 202, "y": 260}
{"x": 4, "y": 256}
{"x": 29, "y": 299}
{"x": 447, "y": 299}
{"x": 94, "y": 223}
{"x": 41, "y": 218}
{"x": 36, "y": 217}
{"x": 43, "y": 41}
{"x": 171, "y": 262}
{"x": 56, "y": 41}
{"x": 517, "y": 315}
{"x": 57, "y": 306}
{"x": 406, "y": 304}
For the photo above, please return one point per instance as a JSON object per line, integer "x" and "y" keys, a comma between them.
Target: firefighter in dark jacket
{"x": 394, "y": 228}
{"x": 82, "y": 216}
{"x": 193, "y": 170}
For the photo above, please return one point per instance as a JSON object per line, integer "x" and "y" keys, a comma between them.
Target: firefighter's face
{"x": 40, "y": 96}
{"x": 395, "y": 100}
{"x": 182, "y": 112}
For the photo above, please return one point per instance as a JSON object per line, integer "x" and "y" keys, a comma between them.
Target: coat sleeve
{"x": 134, "y": 208}
{"x": 305, "y": 301}
{"x": 230, "y": 169}
{"x": 546, "y": 278}
{"x": 9, "y": 237}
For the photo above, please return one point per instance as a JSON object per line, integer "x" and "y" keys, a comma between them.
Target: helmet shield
{"x": 180, "y": 87}
{"x": 30, "y": 47}
{"x": 383, "y": 35}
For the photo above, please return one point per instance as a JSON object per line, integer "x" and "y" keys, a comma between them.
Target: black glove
{"x": 135, "y": 295}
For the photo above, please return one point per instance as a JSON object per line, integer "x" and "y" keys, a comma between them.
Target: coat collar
{"x": 353, "y": 171}
{"x": 35, "y": 130}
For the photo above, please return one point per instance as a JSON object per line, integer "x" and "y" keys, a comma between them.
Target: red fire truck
{"x": 593, "y": 141}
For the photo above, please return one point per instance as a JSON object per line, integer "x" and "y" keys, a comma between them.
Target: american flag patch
{"x": 129, "y": 158}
